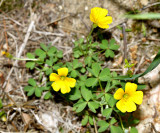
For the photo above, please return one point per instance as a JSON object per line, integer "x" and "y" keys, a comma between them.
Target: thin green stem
{"x": 121, "y": 122}
{"x": 93, "y": 26}
{"x": 100, "y": 85}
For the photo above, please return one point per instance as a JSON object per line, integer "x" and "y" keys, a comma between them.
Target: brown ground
{"x": 61, "y": 22}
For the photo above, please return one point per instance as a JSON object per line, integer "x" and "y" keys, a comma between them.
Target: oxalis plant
{"x": 102, "y": 98}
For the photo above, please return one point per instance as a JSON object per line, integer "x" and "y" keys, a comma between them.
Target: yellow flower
{"x": 61, "y": 81}
{"x": 98, "y": 16}
{"x": 128, "y": 98}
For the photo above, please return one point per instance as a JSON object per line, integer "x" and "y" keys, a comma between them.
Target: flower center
{"x": 125, "y": 96}
{"x": 62, "y": 77}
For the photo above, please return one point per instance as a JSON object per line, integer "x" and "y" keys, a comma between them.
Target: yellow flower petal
{"x": 56, "y": 85}
{"x": 54, "y": 77}
{"x": 98, "y": 16}
{"x": 130, "y": 88}
{"x": 94, "y": 14}
{"x": 119, "y": 94}
{"x": 126, "y": 105}
{"x": 103, "y": 13}
{"x": 63, "y": 71}
{"x": 137, "y": 97}
{"x": 65, "y": 88}
{"x": 121, "y": 105}
{"x": 130, "y": 106}
{"x": 70, "y": 81}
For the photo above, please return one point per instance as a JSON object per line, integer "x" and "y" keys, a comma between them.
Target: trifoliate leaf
{"x": 109, "y": 53}
{"x": 47, "y": 95}
{"x": 51, "y": 51}
{"x": 105, "y": 75}
{"x": 91, "y": 82}
{"x": 40, "y": 53}
{"x": 32, "y": 82}
{"x": 91, "y": 107}
{"x": 30, "y": 65}
{"x": 107, "y": 112}
{"x": 84, "y": 120}
{"x": 81, "y": 107}
{"x": 115, "y": 129}
{"x": 86, "y": 93}
{"x": 31, "y": 91}
{"x": 44, "y": 47}
{"x": 38, "y": 92}
{"x": 30, "y": 55}
{"x": 96, "y": 69}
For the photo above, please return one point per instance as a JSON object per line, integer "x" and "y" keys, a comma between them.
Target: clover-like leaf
{"x": 85, "y": 120}
{"x": 86, "y": 93}
{"x": 91, "y": 82}
{"x": 40, "y": 53}
{"x": 32, "y": 82}
{"x": 107, "y": 112}
{"x": 109, "y": 53}
{"x": 96, "y": 69}
{"x": 105, "y": 75}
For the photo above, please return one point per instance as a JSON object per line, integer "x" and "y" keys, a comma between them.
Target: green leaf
{"x": 141, "y": 87}
{"x": 76, "y": 95}
{"x": 60, "y": 54}
{"x": 109, "y": 53}
{"x": 143, "y": 16}
{"x": 107, "y": 88}
{"x": 96, "y": 69}
{"x": 83, "y": 70}
{"x": 1, "y": 105}
{"x": 47, "y": 95}
{"x": 107, "y": 112}
{"x": 74, "y": 73}
{"x": 101, "y": 123}
{"x": 110, "y": 100}
{"x": 81, "y": 107}
{"x": 114, "y": 47}
{"x": 31, "y": 91}
{"x": 49, "y": 71}
{"x": 86, "y": 93}
{"x": 113, "y": 121}
{"x": 112, "y": 42}
{"x": 91, "y": 120}
{"x": 91, "y": 107}
{"x": 32, "y": 82}
{"x": 104, "y": 44}
{"x": 38, "y": 92}
{"x": 103, "y": 126}
{"x": 27, "y": 88}
{"x": 40, "y": 53}
{"x": 51, "y": 51}
{"x": 133, "y": 130}
{"x": 77, "y": 54}
{"x": 88, "y": 60}
{"x": 30, "y": 55}
{"x": 2, "y": 113}
{"x": 105, "y": 75}
{"x": 49, "y": 62}
{"x": 84, "y": 120}
{"x": 95, "y": 104}
{"x": 91, "y": 82}
{"x": 77, "y": 64}
{"x": 44, "y": 47}
{"x": 30, "y": 65}
{"x": 115, "y": 129}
